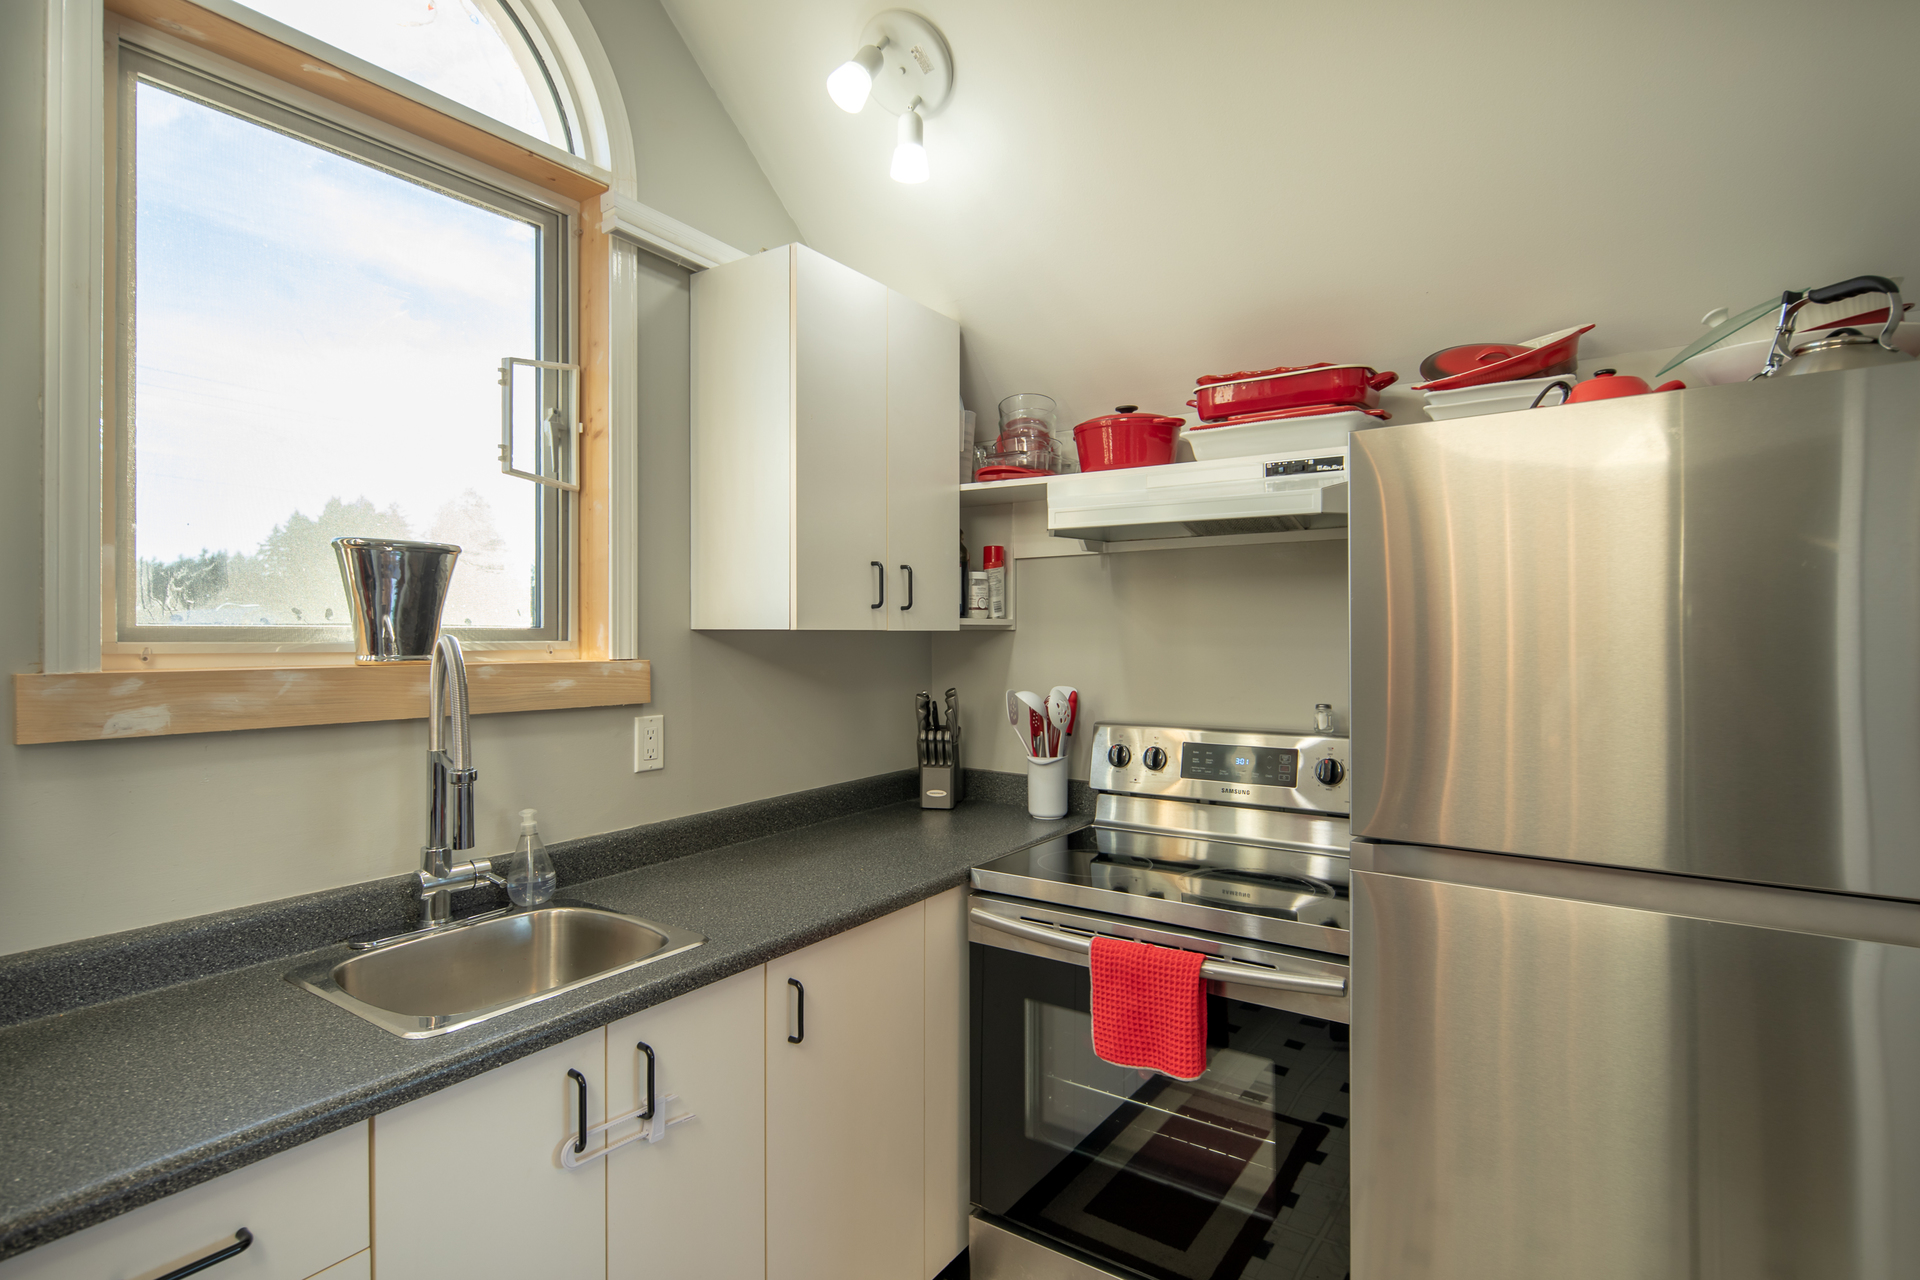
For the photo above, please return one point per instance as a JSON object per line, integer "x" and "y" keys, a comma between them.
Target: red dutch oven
{"x": 1232, "y": 395}
{"x": 1125, "y": 438}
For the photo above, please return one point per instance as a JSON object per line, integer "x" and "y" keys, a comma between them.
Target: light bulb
{"x": 910, "y": 151}
{"x": 852, "y": 80}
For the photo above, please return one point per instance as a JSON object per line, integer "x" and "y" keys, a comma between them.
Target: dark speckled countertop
{"x": 113, "y": 1105}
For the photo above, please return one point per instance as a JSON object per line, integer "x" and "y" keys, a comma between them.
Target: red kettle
{"x": 1605, "y": 384}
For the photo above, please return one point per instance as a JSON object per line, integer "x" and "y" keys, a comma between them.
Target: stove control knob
{"x": 1118, "y": 755}
{"x": 1330, "y": 772}
{"x": 1154, "y": 758}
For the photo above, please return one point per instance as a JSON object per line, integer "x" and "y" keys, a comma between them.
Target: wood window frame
{"x": 204, "y": 692}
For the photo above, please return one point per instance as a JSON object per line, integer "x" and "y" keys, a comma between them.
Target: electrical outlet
{"x": 649, "y": 743}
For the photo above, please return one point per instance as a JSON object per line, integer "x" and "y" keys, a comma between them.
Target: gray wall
{"x": 1222, "y": 637}
{"x": 97, "y": 837}
{"x": 693, "y": 163}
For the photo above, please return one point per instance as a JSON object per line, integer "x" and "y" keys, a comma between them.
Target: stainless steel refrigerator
{"x": 1636, "y": 765}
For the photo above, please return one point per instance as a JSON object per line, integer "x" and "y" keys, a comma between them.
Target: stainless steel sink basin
{"x": 455, "y": 977}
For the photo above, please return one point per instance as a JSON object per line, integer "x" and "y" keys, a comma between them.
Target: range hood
{"x": 1276, "y": 493}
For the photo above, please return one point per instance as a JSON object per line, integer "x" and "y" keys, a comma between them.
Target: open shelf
{"x": 988, "y": 624}
{"x": 996, "y": 492}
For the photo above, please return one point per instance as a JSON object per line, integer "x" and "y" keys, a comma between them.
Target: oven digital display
{"x": 1257, "y": 766}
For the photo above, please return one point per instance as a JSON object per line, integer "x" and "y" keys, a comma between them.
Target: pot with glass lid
{"x": 1839, "y": 348}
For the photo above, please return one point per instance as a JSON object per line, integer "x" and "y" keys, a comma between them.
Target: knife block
{"x": 942, "y": 786}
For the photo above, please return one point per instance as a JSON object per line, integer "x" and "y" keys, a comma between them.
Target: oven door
{"x": 1241, "y": 1173}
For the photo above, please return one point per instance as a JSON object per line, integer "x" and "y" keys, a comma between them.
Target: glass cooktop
{"x": 1251, "y": 891}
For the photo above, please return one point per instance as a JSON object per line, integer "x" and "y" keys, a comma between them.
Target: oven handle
{"x": 1217, "y": 970}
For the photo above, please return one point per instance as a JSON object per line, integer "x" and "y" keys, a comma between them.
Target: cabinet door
{"x": 947, "y": 1055}
{"x": 840, "y": 446}
{"x": 468, "y": 1181}
{"x": 693, "y": 1203}
{"x": 923, "y": 495}
{"x": 846, "y": 1143}
{"x": 306, "y": 1209}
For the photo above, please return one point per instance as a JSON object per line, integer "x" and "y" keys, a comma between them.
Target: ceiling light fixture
{"x": 904, "y": 64}
{"x": 852, "y": 80}
{"x": 910, "y": 148}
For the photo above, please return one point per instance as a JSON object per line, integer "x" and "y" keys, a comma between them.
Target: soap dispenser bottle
{"x": 530, "y": 877}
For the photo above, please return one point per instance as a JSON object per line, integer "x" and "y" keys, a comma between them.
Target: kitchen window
{"x": 485, "y": 54}
{"x": 307, "y": 332}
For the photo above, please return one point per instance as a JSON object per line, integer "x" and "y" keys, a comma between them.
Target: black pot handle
{"x": 1852, "y": 288}
{"x": 1566, "y": 390}
{"x": 242, "y": 1241}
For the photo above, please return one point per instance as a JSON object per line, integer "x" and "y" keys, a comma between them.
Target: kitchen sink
{"x": 456, "y": 976}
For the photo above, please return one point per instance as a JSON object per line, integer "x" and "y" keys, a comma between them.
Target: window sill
{"x": 95, "y": 705}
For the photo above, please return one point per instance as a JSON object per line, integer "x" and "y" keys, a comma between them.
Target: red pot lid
{"x": 1128, "y": 415}
{"x": 1464, "y": 359}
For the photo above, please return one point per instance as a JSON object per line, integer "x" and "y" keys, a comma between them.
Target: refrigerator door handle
{"x": 1214, "y": 970}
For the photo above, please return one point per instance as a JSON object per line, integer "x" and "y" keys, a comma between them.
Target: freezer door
{"x": 1548, "y": 1086}
{"x": 1671, "y": 631}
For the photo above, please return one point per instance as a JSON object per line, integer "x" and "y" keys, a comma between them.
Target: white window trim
{"x": 74, "y": 233}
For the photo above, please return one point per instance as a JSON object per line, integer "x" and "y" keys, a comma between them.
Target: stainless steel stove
{"x": 1233, "y": 844}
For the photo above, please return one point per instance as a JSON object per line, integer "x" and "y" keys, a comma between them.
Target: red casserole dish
{"x": 1541, "y": 354}
{"x": 1125, "y": 439}
{"x": 1232, "y": 395}
{"x": 1310, "y": 411}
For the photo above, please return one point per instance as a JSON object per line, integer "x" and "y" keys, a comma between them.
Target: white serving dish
{"x": 1507, "y": 404}
{"x": 1530, "y": 387}
{"x": 1242, "y": 439}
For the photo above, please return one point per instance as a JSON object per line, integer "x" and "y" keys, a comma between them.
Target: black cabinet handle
{"x": 580, "y": 1143}
{"x": 879, "y": 583}
{"x": 647, "y": 1049}
{"x": 242, "y": 1240}
{"x": 908, "y": 570}
{"x": 800, "y": 1012}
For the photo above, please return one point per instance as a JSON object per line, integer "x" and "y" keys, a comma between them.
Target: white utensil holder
{"x": 1047, "y": 787}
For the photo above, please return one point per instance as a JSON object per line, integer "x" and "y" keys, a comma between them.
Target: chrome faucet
{"x": 450, "y": 778}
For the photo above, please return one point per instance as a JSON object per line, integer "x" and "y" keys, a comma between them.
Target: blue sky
{"x": 308, "y": 326}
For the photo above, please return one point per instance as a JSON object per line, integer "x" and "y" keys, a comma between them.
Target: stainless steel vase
{"x": 395, "y": 591}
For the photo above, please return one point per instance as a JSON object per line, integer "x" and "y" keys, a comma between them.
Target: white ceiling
{"x": 1126, "y": 195}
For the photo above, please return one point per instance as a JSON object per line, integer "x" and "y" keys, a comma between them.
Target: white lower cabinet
{"x": 846, "y": 1105}
{"x": 468, "y": 1181}
{"x": 305, "y": 1208}
{"x": 827, "y": 1142}
{"x": 693, "y": 1203}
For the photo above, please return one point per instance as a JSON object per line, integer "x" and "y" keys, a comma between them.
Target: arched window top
{"x": 485, "y": 54}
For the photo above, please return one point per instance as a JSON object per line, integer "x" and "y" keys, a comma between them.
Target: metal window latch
{"x": 559, "y": 431}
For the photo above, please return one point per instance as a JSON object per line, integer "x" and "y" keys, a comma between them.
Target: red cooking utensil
{"x": 1125, "y": 438}
{"x": 1277, "y": 415}
{"x": 1543, "y": 353}
{"x": 1233, "y": 394}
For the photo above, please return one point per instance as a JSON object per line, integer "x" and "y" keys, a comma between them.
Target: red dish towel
{"x": 1149, "y": 1007}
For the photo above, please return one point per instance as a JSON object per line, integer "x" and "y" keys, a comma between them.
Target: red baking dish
{"x": 1542, "y": 354}
{"x": 1125, "y": 439}
{"x": 1232, "y": 395}
{"x": 1306, "y": 411}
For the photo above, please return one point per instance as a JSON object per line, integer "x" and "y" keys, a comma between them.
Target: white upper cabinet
{"x": 825, "y": 428}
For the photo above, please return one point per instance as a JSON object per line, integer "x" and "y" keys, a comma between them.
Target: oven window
{"x": 1241, "y": 1173}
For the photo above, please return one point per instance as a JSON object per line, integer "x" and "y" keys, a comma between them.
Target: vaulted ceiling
{"x": 1126, "y": 195}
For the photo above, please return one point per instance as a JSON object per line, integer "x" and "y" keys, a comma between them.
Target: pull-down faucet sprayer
{"x": 394, "y": 591}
